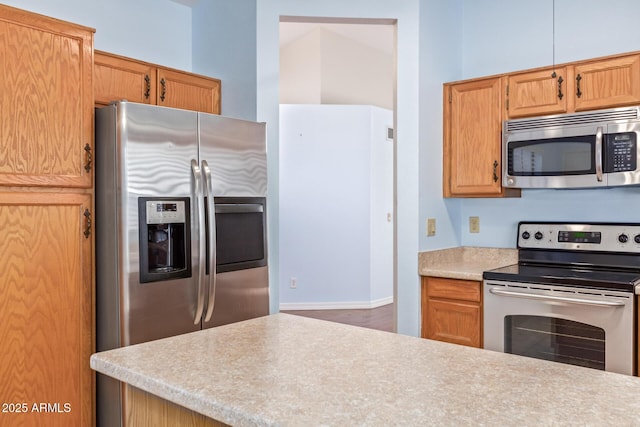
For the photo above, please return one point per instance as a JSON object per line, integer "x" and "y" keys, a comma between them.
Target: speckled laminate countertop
{"x": 465, "y": 262}
{"x": 286, "y": 370}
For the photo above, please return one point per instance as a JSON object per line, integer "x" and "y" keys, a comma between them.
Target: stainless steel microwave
{"x": 579, "y": 150}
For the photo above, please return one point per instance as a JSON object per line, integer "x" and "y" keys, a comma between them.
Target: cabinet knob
{"x": 87, "y": 218}
{"x": 578, "y": 91}
{"x": 560, "y": 80}
{"x": 87, "y": 166}
{"x": 163, "y": 83}
{"x": 495, "y": 171}
{"x": 147, "y": 89}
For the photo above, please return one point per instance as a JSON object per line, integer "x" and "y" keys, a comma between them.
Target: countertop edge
{"x": 189, "y": 399}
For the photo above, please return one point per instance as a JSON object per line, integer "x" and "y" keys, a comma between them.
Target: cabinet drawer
{"x": 466, "y": 290}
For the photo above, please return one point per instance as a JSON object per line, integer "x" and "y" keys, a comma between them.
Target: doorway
{"x": 337, "y": 222}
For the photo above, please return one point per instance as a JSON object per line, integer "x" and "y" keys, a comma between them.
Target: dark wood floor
{"x": 375, "y": 318}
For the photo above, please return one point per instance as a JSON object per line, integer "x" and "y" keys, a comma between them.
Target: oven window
{"x": 554, "y": 339}
{"x": 560, "y": 156}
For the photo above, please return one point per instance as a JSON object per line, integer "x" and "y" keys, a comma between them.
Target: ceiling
{"x": 377, "y": 36}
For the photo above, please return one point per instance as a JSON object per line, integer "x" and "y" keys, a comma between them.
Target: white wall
{"x": 301, "y": 70}
{"x": 496, "y": 41}
{"x": 324, "y": 67}
{"x": 157, "y": 31}
{"x": 381, "y": 211}
{"x": 332, "y": 191}
{"x": 349, "y": 78}
{"x": 407, "y": 13}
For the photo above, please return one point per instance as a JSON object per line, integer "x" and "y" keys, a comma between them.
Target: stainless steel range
{"x": 571, "y": 297}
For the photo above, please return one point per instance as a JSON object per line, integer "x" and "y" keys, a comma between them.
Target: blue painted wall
{"x": 406, "y": 12}
{"x": 157, "y": 31}
{"x": 507, "y": 36}
{"x": 438, "y": 41}
{"x": 224, "y": 46}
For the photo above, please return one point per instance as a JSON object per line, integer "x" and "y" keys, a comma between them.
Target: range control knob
{"x": 538, "y": 235}
{"x": 526, "y": 235}
{"x": 637, "y": 238}
{"x": 623, "y": 238}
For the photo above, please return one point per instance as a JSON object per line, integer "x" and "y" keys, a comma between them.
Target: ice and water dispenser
{"x": 165, "y": 238}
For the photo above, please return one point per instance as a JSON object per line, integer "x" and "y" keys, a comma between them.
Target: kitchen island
{"x": 286, "y": 370}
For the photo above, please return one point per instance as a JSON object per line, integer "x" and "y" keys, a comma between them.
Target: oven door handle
{"x": 597, "y": 303}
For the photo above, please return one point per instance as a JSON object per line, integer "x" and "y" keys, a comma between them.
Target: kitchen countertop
{"x": 465, "y": 262}
{"x": 286, "y": 370}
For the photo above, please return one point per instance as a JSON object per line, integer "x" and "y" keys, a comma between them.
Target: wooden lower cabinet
{"x": 46, "y": 309}
{"x": 144, "y": 410}
{"x": 452, "y": 311}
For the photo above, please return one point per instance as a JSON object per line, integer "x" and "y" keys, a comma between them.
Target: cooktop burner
{"x": 591, "y": 255}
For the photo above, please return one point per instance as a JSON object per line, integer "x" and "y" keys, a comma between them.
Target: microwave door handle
{"x": 599, "y": 154}
{"x": 198, "y": 199}
{"x": 211, "y": 231}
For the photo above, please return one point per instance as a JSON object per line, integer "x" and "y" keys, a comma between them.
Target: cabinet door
{"x": 117, "y": 78}
{"x": 46, "y": 309}
{"x": 457, "y": 322}
{"x": 472, "y": 123}
{"x": 188, "y": 91}
{"x": 537, "y": 93}
{"x": 607, "y": 83}
{"x": 46, "y": 105}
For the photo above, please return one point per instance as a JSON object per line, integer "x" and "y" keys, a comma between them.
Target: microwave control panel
{"x": 620, "y": 152}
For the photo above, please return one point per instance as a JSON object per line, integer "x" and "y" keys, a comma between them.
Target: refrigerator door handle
{"x": 197, "y": 195}
{"x": 211, "y": 214}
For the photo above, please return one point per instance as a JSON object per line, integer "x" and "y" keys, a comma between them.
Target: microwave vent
{"x": 589, "y": 117}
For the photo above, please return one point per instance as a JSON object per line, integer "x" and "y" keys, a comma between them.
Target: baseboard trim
{"x": 346, "y": 305}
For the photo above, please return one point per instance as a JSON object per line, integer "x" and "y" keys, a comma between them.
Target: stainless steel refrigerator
{"x": 180, "y": 227}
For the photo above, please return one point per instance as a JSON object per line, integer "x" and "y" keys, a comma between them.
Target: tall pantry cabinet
{"x": 46, "y": 215}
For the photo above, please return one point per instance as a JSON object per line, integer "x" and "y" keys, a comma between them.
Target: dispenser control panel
{"x": 165, "y": 212}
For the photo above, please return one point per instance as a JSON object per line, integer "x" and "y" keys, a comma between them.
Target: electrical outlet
{"x": 293, "y": 283}
{"x": 431, "y": 226}
{"x": 474, "y": 224}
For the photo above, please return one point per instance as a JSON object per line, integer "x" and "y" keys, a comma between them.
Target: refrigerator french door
{"x": 180, "y": 227}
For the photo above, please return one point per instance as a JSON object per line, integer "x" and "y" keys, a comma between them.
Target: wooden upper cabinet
{"x": 190, "y": 92}
{"x": 46, "y": 119}
{"x": 120, "y": 78}
{"x": 537, "y": 93}
{"x": 587, "y": 85}
{"x": 472, "y": 138}
{"x": 607, "y": 83}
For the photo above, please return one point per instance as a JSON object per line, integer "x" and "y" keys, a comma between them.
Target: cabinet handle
{"x": 163, "y": 83}
{"x": 495, "y": 171}
{"x": 87, "y": 229}
{"x": 578, "y": 92}
{"x": 147, "y": 90}
{"x": 87, "y": 166}
{"x": 560, "y": 80}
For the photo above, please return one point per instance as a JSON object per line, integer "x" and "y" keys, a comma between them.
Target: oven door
{"x": 577, "y": 326}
